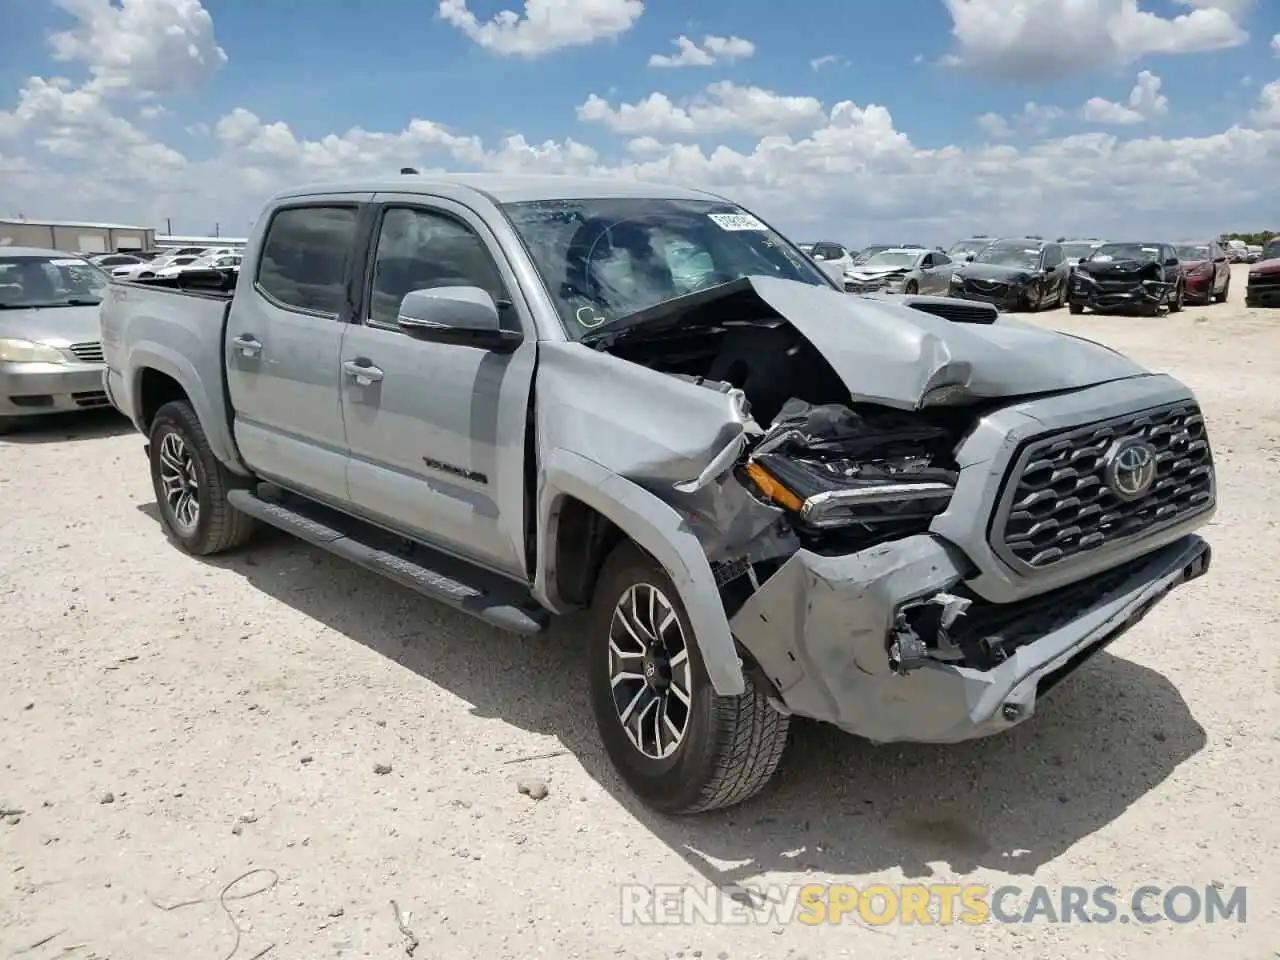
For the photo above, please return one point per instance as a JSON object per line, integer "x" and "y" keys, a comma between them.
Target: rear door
{"x": 936, "y": 269}
{"x": 284, "y": 341}
{"x": 437, "y": 431}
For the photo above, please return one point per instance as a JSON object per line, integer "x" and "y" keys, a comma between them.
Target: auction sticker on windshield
{"x": 736, "y": 221}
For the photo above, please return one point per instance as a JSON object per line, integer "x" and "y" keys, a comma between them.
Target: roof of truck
{"x": 506, "y": 188}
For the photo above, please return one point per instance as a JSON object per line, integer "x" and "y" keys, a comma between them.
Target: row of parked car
{"x": 1030, "y": 273}
{"x": 168, "y": 263}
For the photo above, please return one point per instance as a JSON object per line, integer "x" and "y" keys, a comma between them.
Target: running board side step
{"x": 483, "y": 595}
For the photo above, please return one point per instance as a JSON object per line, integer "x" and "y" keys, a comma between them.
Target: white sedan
{"x": 226, "y": 261}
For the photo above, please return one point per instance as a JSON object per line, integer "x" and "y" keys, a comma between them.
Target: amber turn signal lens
{"x": 772, "y": 489}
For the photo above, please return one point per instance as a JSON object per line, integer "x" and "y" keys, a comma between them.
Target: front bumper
{"x": 820, "y": 629}
{"x": 1117, "y": 295}
{"x": 31, "y": 389}
{"x": 1265, "y": 293}
{"x": 1008, "y": 296}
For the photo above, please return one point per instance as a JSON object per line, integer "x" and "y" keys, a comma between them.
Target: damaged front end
{"x": 1134, "y": 284}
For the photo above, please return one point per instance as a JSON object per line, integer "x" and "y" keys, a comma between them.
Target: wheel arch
{"x": 578, "y": 495}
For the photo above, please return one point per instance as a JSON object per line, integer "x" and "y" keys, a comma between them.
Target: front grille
{"x": 1058, "y": 503}
{"x": 987, "y": 288}
{"x": 89, "y": 351}
{"x": 958, "y": 311}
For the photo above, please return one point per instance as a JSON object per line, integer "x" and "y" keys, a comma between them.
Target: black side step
{"x": 489, "y": 597}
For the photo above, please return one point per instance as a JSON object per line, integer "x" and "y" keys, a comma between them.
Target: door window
{"x": 421, "y": 249}
{"x": 1052, "y": 256}
{"x": 305, "y": 258}
{"x": 940, "y": 259}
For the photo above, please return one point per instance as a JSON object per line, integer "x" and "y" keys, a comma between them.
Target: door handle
{"x": 363, "y": 374}
{"x": 248, "y": 345}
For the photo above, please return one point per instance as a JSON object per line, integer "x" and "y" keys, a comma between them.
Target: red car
{"x": 1207, "y": 269}
{"x": 1264, "y": 279}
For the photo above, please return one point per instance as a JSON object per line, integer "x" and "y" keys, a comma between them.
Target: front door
{"x": 284, "y": 341}
{"x": 437, "y": 431}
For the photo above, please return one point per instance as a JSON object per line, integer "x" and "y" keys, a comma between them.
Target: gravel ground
{"x": 170, "y": 724}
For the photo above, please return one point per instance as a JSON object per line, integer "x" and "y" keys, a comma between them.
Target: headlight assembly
{"x": 27, "y": 351}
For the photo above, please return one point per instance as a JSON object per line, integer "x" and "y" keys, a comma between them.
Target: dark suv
{"x": 1016, "y": 274}
{"x": 1129, "y": 276}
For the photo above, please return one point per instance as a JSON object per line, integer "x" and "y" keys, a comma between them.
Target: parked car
{"x": 110, "y": 260}
{"x": 1206, "y": 271}
{"x": 966, "y": 250}
{"x": 903, "y": 270}
{"x": 774, "y": 498}
{"x": 1128, "y": 276}
{"x": 866, "y": 253}
{"x": 143, "y": 271}
{"x": 225, "y": 261}
{"x": 1263, "y": 288}
{"x": 1077, "y": 250}
{"x": 833, "y": 258}
{"x": 1253, "y": 253}
{"x": 1016, "y": 274}
{"x": 50, "y": 354}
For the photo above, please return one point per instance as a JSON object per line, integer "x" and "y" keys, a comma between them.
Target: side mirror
{"x": 466, "y": 316}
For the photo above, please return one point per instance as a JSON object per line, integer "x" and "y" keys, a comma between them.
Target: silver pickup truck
{"x": 906, "y": 516}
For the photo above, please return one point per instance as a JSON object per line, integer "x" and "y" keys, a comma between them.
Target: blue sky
{"x": 936, "y": 67}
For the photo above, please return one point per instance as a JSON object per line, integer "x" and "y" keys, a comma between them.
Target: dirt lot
{"x": 170, "y": 724}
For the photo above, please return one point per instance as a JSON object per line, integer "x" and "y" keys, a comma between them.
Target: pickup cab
{"x": 524, "y": 396}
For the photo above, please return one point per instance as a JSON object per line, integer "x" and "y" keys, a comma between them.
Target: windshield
{"x": 1010, "y": 255}
{"x": 967, "y": 246}
{"x": 893, "y": 258}
{"x": 1076, "y": 251}
{"x": 1193, "y": 252}
{"x": 604, "y": 259}
{"x": 1126, "y": 251}
{"x": 43, "y": 281}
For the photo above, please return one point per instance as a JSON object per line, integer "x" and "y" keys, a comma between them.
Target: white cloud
{"x": 817, "y": 63}
{"x": 141, "y": 47}
{"x": 1146, "y": 102}
{"x": 1267, "y": 113}
{"x": 1275, "y": 44}
{"x": 995, "y": 126}
{"x": 69, "y": 150}
{"x": 722, "y": 107}
{"x": 712, "y": 50}
{"x": 1047, "y": 39}
{"x": 546, "y": 25}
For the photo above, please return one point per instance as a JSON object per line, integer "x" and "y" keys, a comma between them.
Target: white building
{"x": 75, "y": 237}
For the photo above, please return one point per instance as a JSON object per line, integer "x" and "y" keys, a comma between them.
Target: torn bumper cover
{"x": 842, "y": 639}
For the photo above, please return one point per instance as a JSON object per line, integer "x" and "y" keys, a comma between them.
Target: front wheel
{"x": 1175, "y": 305}
{"x": 191, "y": 485}
{"x": 676, "y": 743}
{"x": 1075, "y": 308}
{"x": 911, "y": 287}
{"x": 1226, "y": 289}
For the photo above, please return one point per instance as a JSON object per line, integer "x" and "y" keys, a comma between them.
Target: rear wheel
{"x": 191, "y": 485}
{"x": 676, "y": 743}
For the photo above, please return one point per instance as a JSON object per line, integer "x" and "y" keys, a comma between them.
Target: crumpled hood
{"x": 57, "y": 326}
{"x": 895, "y": 355}
{"x": 877, "y": 273}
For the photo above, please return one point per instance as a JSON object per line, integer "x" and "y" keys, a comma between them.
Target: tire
{"x": 730, "y": 746}
{"x": 217, "y": 525}
{"x": 1226, "y": 290}
{"x": 7, "y": 424}
{"x": 1075, "y": 309}
{"x": 911, "y": 287}
{"x": 1175, "y": 305}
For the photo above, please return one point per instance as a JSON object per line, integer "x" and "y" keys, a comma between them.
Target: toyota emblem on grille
{"x": 1130, "y": 468}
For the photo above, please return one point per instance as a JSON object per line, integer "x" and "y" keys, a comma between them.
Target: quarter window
{"x": 306, "y": 255}
{"x": 421, "y": 249}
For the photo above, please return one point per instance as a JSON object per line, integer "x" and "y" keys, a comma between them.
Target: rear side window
{"x": 305, "y": 257}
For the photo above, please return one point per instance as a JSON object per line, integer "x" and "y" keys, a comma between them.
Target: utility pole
{"x": 168, "y": 226}
{"x": 217, "y": 229}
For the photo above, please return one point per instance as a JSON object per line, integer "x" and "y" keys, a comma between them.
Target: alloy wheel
{"x": 180, "y": 483}
{"x": 649, "y": 671}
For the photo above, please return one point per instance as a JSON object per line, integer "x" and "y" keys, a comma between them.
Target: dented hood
{"x": 895, "y": 355}
{"x": 891, "y": 354}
